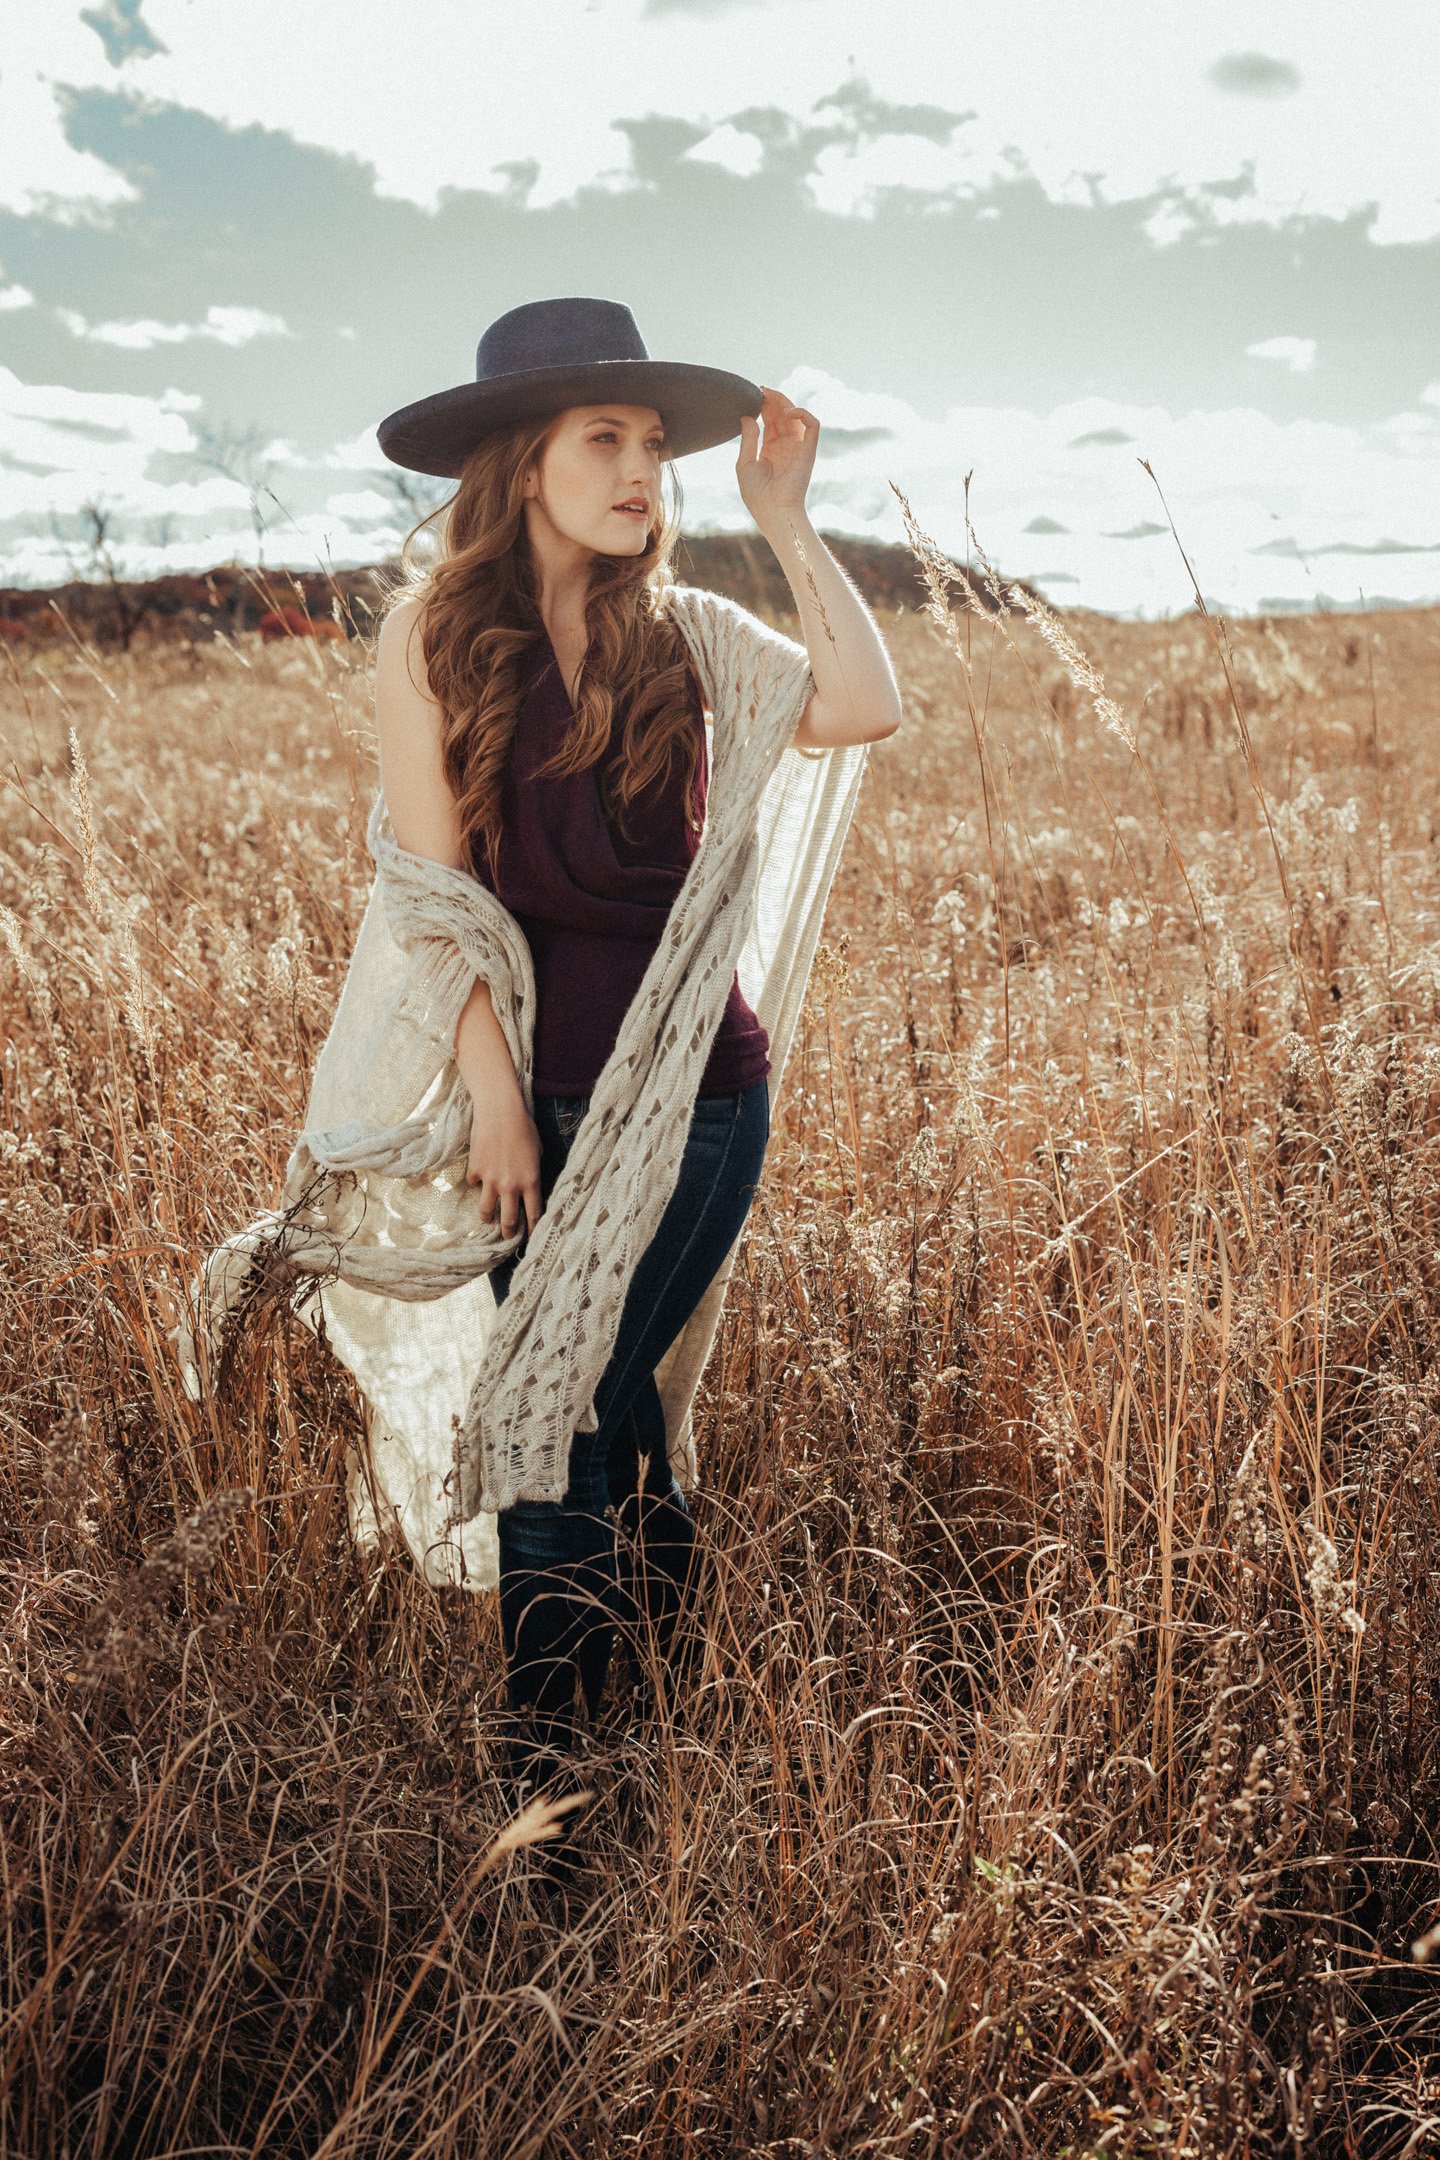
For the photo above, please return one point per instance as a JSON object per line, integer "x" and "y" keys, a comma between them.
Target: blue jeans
{"x": 618, "y": 1548}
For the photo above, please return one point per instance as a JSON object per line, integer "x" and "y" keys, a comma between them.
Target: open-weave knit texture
{"x": 471, "y": 1405}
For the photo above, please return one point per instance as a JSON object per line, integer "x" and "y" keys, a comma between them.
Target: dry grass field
{"x": 1061, "y": 1772}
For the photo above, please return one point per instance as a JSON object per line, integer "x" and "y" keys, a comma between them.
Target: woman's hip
{"x": 719, "y": 1171}
{"x": 725, "y": 1139}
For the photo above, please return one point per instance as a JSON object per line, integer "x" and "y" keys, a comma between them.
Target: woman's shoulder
{"x": 403, "y": 616}
{"x": 405, "y": 706}
{"x": 398, "y": 649}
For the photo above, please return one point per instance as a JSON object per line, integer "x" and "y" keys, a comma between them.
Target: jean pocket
{"x": 567, "y": 1111}
{"x": 716, "y": 1109}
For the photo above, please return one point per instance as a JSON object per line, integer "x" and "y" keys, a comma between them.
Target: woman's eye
{"x": 609, "y": 435}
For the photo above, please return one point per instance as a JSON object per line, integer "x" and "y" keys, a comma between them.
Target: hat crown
{"x": 558, "y": 333}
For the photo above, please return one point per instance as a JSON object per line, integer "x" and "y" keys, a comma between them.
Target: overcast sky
{"x": 1035, "y": 246}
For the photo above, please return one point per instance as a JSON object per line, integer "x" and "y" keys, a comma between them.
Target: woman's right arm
{"x": 504, "y": 1143}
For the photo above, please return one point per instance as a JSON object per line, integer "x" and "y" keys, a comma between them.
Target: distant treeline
{"x": 118, "y": 613}
{"x": 742, "y": 565}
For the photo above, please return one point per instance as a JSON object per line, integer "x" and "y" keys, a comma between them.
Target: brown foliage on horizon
{"x": 1060, "y": 1772}
{"x": 198, "y": 606}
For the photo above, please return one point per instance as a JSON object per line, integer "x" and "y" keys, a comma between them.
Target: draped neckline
{"x": 550, "y": 658}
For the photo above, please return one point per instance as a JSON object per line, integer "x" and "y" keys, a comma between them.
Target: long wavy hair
{"x": 481, "y": 632}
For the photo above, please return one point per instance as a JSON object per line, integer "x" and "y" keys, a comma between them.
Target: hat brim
{"x": 700, "y": 407}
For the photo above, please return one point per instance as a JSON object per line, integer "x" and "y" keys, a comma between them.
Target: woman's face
{"x": 598, "y": 459}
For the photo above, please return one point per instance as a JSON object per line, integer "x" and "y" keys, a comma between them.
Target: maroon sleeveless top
{"x": 593, "y": 905}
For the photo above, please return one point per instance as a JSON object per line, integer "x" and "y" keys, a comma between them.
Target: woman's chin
{"x": 636, "y": 544}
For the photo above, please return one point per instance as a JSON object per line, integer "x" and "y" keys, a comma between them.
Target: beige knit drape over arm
{"x": 470, "y": 1405}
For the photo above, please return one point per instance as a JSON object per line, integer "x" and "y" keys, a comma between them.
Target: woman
{"x": 523, "y": 678}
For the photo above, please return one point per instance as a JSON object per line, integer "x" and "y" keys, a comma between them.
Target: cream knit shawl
{"x": 471, "y": 1404}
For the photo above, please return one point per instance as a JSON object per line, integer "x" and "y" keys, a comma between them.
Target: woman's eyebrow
{"x": 610, "y": 420}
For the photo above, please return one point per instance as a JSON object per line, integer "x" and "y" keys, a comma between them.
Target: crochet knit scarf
{"x": 378, "y": 1238}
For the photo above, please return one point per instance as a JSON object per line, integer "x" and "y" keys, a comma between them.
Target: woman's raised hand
{"x": 774, "y": 469}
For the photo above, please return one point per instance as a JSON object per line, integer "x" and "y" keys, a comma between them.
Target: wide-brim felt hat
{"x": 548, "y": 354}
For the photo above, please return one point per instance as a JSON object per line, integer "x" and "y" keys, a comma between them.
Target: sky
{"x": 1041, "y": 253}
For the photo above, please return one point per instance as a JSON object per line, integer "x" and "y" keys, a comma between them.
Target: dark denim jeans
{"x": 618, "y": 1548}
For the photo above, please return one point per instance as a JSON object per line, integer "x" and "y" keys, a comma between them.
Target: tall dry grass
{"x": 1060, "y": 1773}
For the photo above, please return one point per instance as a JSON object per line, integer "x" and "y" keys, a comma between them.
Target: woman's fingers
{"x": 510, "y": 1201}
{"x": 784, "y": 408}
{"x": 489, "y": 1191}
{"x": 785, "y": 423}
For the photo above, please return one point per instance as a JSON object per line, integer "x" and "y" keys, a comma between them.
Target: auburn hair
{"x": 481, "y": 631}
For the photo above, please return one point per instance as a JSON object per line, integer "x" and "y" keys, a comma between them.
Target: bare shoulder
{"x": 409, "y": 723}
{"x": 407, "y": 715}
{"x": 400, "y": 655}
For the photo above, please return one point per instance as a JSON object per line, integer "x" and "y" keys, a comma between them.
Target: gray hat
{"x": 548, "y": 354}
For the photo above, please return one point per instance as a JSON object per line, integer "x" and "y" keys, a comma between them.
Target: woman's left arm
{"x": 855, "y": 698}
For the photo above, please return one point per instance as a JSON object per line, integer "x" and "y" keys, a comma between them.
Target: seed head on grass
{"x": 1080, "y": 668}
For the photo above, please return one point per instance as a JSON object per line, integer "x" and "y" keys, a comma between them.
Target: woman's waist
{"x": 625, "y": 933}
{"x": 601, "y": 963}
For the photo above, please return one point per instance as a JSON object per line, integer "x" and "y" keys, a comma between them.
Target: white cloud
{"x": 1126, "y": 97}
{"x": 1266, "y": 509}
{"x": 281, "y": 451}
{"x": 61, "y": 449}
{"x": 1297, "y": 353}
{"x": 39, "y": 171}
{"x": 66, "y": 447}
{"x": 13, "y": 297}
{"x": 224, "y": 325}
{"x": 1409, "y": 433}
{"x": 736, "y": 150}
{"x": 1234, "y": 478}
{"x": 112, "y": 412}
{"x": 846, "y": 180}
{"x": 321, "y": 539}
{"x": 362, "y": 503}
{"x": 1171, "y": 222}
{"x": 238, "y": 325}
{"x": 361, "y": 454}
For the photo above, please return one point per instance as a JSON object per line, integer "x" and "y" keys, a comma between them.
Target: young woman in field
{"x": 541, "y": 728}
